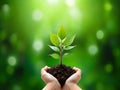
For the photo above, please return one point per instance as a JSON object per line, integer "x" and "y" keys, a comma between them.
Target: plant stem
{"x": 61, "y": 50}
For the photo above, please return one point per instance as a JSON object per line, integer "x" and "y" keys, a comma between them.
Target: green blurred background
{"x": 25, "y": 26}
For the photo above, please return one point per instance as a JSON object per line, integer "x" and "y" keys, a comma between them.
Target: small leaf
{"x": 61, "y": 32}
{"x": 54, "y": 39}
{"x": 65, "y": 54}
{"x": 69, "y": 40}
{"x": 55, "y": 55}
{"x": 69, "y": 47}
{"x": 63, "y": 40}
{"x": 54, "y": 48}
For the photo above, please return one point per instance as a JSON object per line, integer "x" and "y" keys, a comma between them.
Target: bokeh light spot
{"x": 70, "y": 3}
{"x": 100, "y": 34}
{"x": 52, "y": 2}
{"x": 108, "y": 6}
{"x": 12, "y": 60}
{"x": 92, "y": 49}
{"x": 16, "y": 87}
{"x": 37, "y": 45}
{"x": 6, "y": 8}
{"x": 75, "y": 13}
{"x": 108, "y": 68}
{"x": 37, "y": 15}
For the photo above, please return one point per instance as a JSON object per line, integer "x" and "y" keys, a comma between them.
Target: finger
{"x": 44, "y": 69}
{"x": 77, "y": 70}
{"x": 48, "y": 67}
{"x": 48, "y": 77}
{"x": 44, "y": 73}
{"x": 76, "y": 76}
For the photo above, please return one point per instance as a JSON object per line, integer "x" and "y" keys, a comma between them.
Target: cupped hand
{"x": 75, "y": 77}
{"x": 51, "y": 82}
{"x": 71, "y": 82}
{"x": 47, "y": 78}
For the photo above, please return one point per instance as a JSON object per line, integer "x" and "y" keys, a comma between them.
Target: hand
{"x": 71, "y": 82}
{"x": 47, "y": 78}
{"x": 51, "y": 82}
{"x": 75, "y": 77}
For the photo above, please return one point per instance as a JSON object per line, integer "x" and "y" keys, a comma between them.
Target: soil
{"x": 61, "y": 72}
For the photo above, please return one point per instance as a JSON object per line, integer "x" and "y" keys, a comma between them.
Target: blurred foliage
{"x": 25, "y": 26}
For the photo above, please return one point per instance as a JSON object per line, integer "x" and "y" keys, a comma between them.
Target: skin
{"x": 53, "y": 84}
{"x": 71, "y": 82}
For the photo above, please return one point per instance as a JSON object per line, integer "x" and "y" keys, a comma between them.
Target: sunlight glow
{"x": 37, "y": 15}
{"x": 100, "y": 34}
{"x": 70, "y": 3}
{"x": 92, "y": 49}
{"x": 53, "y": 2}
{"x": 108, "y": 6}
{"x": 16, "y": 87}
{"x": 12, "y": 61}
{"x": 75, "y": 13}
{"x": 37, "y": 45}
{"x": 6, "y": 8}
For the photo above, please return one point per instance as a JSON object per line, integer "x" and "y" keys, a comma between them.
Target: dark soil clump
{"x": 61, "y": 72}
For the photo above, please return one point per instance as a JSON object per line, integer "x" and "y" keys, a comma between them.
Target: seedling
{"x": 61, "y": 43}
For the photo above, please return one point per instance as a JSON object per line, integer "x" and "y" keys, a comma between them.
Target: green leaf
{"x": 63, "y": 40}
{"x": 65, "y": 54}
{"x": 69, "y": 47}
{"x": 54, "y": 39}
{"x": 55, "y": 55}
{"x": 54, "y": 48}
{"x": 69, "y": 40}
{"x": 61, "y": 32}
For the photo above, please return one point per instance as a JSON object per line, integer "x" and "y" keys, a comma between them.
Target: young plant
{"x": 61, "y": 43}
